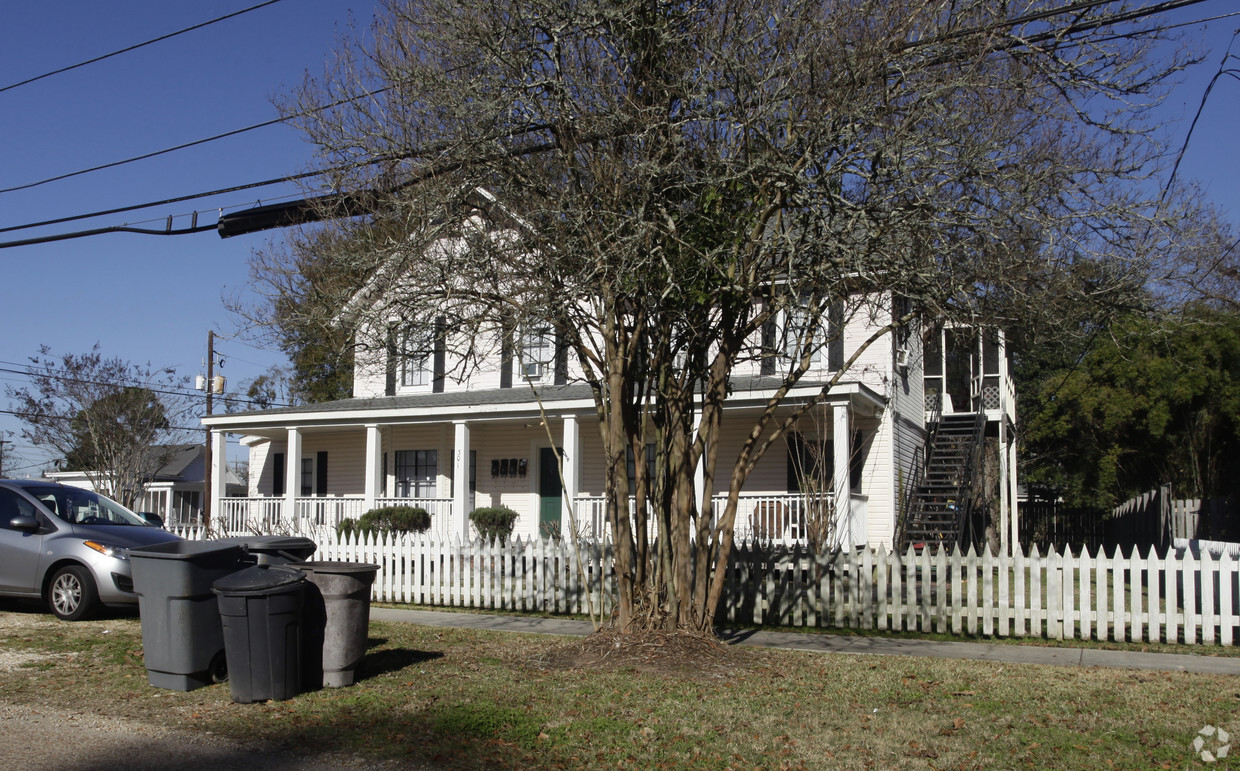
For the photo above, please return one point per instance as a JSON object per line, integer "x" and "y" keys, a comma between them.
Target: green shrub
{"x": 494, "y": 523}
{"x": 389, "y": 519}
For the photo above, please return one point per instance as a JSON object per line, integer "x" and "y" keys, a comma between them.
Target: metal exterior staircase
{"x": 939, "y": 508}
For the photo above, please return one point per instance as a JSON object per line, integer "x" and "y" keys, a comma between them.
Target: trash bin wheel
{"x": 218, "y": 671}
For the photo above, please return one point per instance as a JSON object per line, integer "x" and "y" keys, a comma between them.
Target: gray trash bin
{"x": 337, "y": 620}
{"x": 261, "y": 611}
{"x": 182, "y": 640}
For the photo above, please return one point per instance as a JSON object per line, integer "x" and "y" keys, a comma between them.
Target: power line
{"x": 193, "y": 143}
{"x": 46, "y": 417}
{"x": 152, "y": 387}
{"x": 136, "y": 46}
{"x": 286, "y": 215}
{"x": 166, "y": 201}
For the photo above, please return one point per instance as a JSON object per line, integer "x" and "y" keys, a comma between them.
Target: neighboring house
{"x": 411, "y": 435}
{"x": 174, "y": 492}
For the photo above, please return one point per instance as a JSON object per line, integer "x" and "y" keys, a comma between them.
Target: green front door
{"x": 550, "y": 493}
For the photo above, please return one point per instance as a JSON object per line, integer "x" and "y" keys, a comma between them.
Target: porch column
{"x": 1005, "y": 510}
{"x": 374, "y": 467}
{"x": 571, "y": 470}
{"x": 841, "y": 482}
{"x": 219, "y": 475}
{"x": 460, "y": 477}
{"x": 292, "y": 476}
{"x": 1012, "y": 491}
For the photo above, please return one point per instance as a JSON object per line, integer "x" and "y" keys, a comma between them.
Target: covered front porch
{"x": 778, "y": 518}
{"x": 316, "y": 466}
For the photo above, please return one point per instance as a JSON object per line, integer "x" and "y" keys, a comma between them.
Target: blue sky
{"x": 149, "y": 298}
{"x": 143, "y": 298}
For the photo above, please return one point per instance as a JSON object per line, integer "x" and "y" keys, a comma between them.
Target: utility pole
{"x": 207, "y": 461}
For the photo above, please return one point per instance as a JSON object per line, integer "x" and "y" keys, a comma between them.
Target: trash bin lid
{"x": 259, "y": 579}
{"x": 199, "y": 552}
{"x": 327, "y": 566}
{"x": 299, "y": 546}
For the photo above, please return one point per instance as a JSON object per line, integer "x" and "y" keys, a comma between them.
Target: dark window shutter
{"x": 441, "y": 353}
{"x": 856, "y": 461}
{"x": 505, "y": 359}
{"x": 561, "y": 360}
{"x": 768, "y": 347}
{"x": 320, "y": 474}
{"x": 393, "y": 363}
{"x": 277, "y": 473}
{"x": 835, "y": 328}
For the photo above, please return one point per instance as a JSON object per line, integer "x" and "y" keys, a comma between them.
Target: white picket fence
{"x": 1178, "y": 597}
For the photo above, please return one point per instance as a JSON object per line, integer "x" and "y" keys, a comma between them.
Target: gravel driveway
{"x": 38, "y": 738}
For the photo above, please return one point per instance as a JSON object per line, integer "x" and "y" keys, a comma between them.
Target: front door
{"x": 550, "y": 493}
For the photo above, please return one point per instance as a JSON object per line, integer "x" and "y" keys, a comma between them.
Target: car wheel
{"x": 72, "y": 595}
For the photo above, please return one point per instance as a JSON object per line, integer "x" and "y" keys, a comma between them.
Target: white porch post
{"x": 460, "y": 475}
{"x": 374, "y": 466}
{"x": 292, "y": 475}
{"x": 841, "y": 481}
{"x": 219, "y": 471}
{"x": 571, "y": 470}
{"x": 1014, "y": 511}
{"x": 1005, "y": 505}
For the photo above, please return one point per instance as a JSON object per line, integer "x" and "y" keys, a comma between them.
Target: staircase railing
{"x": 919, "y": 469}
{"x": 964, "y": 504}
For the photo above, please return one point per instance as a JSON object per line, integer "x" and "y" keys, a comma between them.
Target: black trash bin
{"x": 337, "y": 620}
{"x": 261, "y": 611}
{"x": 274, "y": 549}
{"x": 182, "y": 640}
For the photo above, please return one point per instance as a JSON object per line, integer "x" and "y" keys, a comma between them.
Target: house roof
{"x": 177, "y": 469}
{"x": 499, "y": 403}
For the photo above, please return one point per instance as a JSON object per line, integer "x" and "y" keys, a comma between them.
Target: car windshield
{"x": 83, "y": 507}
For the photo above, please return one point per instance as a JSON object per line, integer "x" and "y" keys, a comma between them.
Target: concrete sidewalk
{"x": 829, "y": 643}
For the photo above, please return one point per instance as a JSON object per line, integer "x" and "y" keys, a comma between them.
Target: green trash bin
{"x": 261, "y": 611}
{"x": 182, "y": 640}
{"x": 337, "y": 620}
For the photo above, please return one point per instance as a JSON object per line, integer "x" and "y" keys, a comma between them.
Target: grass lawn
{"x": 478, "y": 699}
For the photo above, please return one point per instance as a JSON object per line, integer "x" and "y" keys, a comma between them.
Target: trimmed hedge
{"x": 494, "y": 523}
{"x": 389, "y": 519}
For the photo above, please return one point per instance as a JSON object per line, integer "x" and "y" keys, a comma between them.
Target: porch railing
{"x": 266, "y": 514}
{"x": 776, "y": 518}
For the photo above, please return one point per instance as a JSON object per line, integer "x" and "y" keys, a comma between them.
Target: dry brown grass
{"x": 476, "y": 699}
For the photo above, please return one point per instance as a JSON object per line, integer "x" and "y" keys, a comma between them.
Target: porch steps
{"x": 939, "y": 508}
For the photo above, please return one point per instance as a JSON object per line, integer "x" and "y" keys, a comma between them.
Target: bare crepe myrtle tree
{"x": 115, "y": 421}
{"x": 661, "y": 185}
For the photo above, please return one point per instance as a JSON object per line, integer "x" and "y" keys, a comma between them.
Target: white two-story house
{"x": 413, "y": 435}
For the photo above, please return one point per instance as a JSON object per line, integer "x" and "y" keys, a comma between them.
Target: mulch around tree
{"x": 683, "y": 654}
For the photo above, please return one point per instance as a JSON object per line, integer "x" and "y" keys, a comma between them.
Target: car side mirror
{"x": 24, "y": 522}
{"x": 151, "y": 518}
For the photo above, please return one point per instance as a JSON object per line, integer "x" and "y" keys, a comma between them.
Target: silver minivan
{"x": 68, "y": 546}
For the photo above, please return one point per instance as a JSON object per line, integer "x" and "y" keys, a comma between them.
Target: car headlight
{"x": 107, "y": 549}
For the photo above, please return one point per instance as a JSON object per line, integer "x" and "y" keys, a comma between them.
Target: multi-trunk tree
{"x": 663, "y": 182}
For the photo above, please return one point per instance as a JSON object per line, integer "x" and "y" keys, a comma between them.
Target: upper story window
{"x": 818, "y": 333}
{"x": 416, "y": 359}
{"x": 802, "y": 332}
{"x": 536, "y": 357}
